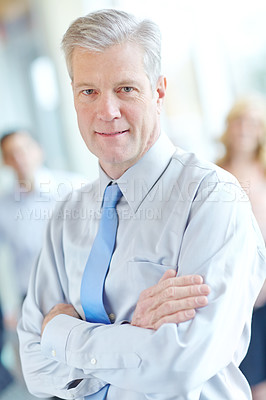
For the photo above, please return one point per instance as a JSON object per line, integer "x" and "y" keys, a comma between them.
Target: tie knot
{"x": 111, "y": 196}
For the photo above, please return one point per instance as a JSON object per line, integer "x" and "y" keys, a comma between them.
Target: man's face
{"x": 22, "y": 153}
{"x": 117, "y": 111}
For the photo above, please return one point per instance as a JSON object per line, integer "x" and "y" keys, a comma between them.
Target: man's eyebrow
{"x": 124, "y": 82}
{"x": 81, "y": 85}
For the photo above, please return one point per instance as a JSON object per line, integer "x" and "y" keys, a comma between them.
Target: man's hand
{"x": 60, "y": 308}
{"x": 172, "y": 300}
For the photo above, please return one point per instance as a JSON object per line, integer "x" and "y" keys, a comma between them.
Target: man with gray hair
{"x": 119, "y": 305}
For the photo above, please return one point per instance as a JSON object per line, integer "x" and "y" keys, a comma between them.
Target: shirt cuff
{"x": 55, "y": 336}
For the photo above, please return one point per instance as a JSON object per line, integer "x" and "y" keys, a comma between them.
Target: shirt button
{"x": 53, "y": 353}
{"x": 112, "y": 317}
{"x": 93, "y": 361}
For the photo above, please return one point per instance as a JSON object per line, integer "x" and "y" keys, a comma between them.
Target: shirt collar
{"x": 138, "y": 180}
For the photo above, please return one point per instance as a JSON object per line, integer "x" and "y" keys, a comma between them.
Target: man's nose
{"x": 108, "y": 107}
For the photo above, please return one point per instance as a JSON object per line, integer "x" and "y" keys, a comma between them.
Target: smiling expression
{"x": 117, "y": 111}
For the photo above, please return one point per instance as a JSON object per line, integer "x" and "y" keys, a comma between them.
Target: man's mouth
{"x": 114, "y": 133}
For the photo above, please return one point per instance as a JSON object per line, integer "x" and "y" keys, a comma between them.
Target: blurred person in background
{"x": 25, "y": 210}
{"x": 245, "y": 157}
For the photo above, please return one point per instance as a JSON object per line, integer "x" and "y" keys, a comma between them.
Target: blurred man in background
{"x": 24, "y": 212}
{"x": 25, "y": 209}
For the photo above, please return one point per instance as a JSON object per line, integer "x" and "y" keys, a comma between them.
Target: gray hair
{"x": 105, "y": 28}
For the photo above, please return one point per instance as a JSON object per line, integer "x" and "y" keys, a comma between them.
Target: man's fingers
{"x": 172, "y": 299}
{"x": 181, "y": 316}
{"x": 170, "y": 273}
{"x": 186, "y": 280}
{"x": 174, "y": 306}
{"x": 161, "y": 295}
{"x": 170, "y": 280}
{"x": 180, "y": 292}
{"x": 177, "y": 311}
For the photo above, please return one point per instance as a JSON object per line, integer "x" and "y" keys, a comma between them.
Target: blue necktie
{"x": 95, "y": 272}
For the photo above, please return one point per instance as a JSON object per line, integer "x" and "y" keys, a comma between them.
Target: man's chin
{"x": 116, "y": 167}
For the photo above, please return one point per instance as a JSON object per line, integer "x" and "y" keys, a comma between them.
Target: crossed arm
{"x": 173, "y": 300}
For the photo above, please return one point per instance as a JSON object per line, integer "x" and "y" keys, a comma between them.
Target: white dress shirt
{"x": 176, "y": 212}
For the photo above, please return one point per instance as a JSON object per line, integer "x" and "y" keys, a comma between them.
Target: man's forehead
{"x": 122, "y": 64}
{"x": 123, "y": 51}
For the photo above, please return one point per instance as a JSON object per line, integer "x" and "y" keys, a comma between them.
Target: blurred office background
{"x": 213, "y": 52}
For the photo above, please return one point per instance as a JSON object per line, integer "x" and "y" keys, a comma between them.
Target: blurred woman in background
{"x": 245, "y": 157}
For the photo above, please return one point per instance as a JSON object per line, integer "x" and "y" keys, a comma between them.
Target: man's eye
{"x": 127, "y": 89}
{"x": 88, "y": 91}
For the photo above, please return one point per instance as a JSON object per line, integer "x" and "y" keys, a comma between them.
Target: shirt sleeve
{"x": 222, "y": 243}
{"x": 49, "y": 286}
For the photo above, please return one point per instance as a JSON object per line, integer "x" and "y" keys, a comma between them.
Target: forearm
{"x": 48, "y": 377}
{"x": 143, "y": 360}
{"x": 148, "y": 361}
{"x": 44, "y": 376}
{"x": 134, "y": 358}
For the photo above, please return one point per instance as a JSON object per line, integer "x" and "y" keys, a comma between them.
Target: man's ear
{"x": 160, "y": 90}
